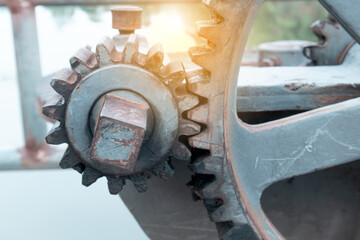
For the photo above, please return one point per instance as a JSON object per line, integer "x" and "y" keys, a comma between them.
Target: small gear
{"x": 136, "y": 71}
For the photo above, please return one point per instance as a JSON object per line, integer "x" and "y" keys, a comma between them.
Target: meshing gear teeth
{"x": 213, "y": 181}
{"x": 84, "y": 63}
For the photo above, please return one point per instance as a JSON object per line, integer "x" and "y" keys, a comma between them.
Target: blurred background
{"x": 52, "y": 204}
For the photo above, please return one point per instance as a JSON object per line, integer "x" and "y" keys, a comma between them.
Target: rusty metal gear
{"x": 230, "y": 160}
{"x": 218, "y": 61}
{"x": 135, "y": 70}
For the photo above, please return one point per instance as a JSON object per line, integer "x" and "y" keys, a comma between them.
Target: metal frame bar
{"x": 298, "y": 88}
{"x": 348, "y": 19}
{"x": 28, "y": 71}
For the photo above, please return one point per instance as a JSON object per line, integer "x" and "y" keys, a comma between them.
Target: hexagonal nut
{"x": 119, "y": 132}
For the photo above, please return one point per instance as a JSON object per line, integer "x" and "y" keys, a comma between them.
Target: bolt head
{"x": 119, "y": 132}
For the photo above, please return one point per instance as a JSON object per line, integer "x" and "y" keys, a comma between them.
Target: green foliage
{"x": 62, "y": 14}
{"x": 286, "y": 21}
{"x": 282, "y": 20}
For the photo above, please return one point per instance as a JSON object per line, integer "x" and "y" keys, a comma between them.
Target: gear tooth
{"x": 199, "y": 182}
{"x": 143, "y": 45}
{"x": 155, "y": 58}
{"x": 310, "y": 50}
{"x": 198, "y": 82}
{"x": 210, "y": 30}
{"x": 142, "y": 50}
{"x": 90, "y": 176}
{"x": 140, "y": 183}
{"x": 201, "y": 56}
{"x": 63, "y": 82}
{"x": 218, "y": 7}
{"x": 164, "y": 170}
{"x": 167, "y": 172}
{"x": 199, "y": 114}
{"x": 199, "y": 167}
{"x": 84, "y": 61}
{"x": 195, "y": 193}
{"x": 318, "y": 28}
{"x": 115, "y": 184}
{"x": 79, "y": 167}
{"x": 211, "y": 190}
{"x": 195, "y": 197}
{"x": 206, "y": 165}
{"x": 221, "y": 212}
{"x": 54, "y": 107}
{"x": 212, "y": 206}
{"x": 135, "y": 50}
{"x": 130, "y": 50}
{"x": 185, "y": 100}
{"x": 174, "y": 72}
{"x": 61, "y": 87}
{"x": 57, "y": 134}
{"x": 180, "y": 151}
{"x": 69, "y": 159}
{"x": 200, "y": 141}
{"x": 104, "y": 51}
{"x": 205, "y": 185}
{"x": 188, "y": 128}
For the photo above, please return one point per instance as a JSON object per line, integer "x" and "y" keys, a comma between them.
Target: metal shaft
{"x": 121, "y": 123}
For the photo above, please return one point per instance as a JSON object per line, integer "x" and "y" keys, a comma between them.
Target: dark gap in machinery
{"x": 318, "y": 205}
{"x": 266, "y": 116}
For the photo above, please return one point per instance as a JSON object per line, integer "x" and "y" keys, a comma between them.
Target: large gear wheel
{"x": 213, "y": 180}
{"x": 138, "y": 70}
{"x": 234, "y": 162}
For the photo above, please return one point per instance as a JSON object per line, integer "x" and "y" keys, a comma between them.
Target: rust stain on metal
{"x": 331, "y": 99}
{"x": 298, "y": 86}
{"x": 344, "y": 52}
{"x": 15, "y": 6}
{"x": 32, "y": 154}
